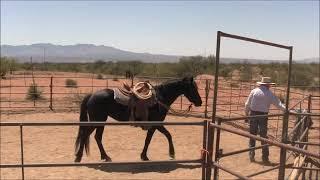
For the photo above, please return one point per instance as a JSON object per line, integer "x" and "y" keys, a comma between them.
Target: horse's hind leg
{"x": 98, "y": 138}
{"x": 164, "y": 131}
{"x": 84, "y": 138}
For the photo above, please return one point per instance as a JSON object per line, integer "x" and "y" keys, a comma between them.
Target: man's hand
{"x": 292, "y": 112}
{"x": 247, "y": 114}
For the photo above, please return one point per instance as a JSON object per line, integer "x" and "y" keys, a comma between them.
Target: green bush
{"x": 78, "y": 97}
{"x": 34, "y": 93}
{"x": 234, "y": 85}
{"x": 70, "y": 83}
{"x": 99, "y": 76}
{"x": 246, "y": 72}
{"x": 303, "y": 75}
{"x": 7, "y": 65}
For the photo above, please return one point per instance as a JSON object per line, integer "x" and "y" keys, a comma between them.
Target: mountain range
{"x": 90, "y": 53}
{"x": 78, "y": 53}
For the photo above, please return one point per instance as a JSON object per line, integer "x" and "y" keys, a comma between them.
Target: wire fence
{"x": 55, "y": 94}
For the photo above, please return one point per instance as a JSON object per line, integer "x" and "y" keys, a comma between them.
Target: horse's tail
{"x": 82, "y": 129}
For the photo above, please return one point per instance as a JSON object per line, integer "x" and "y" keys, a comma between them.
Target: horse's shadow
{"x": 143, "y": 168}
{"x": 271, "y": 164}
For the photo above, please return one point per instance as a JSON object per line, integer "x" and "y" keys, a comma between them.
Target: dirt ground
{"x": 122, "y": 143}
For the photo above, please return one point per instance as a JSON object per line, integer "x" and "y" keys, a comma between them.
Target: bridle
{"x": 170, "y": 109}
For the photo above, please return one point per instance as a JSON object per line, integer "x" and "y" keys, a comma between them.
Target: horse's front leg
{"x": 150, "y": 133}
{"x": 164, "y": 131}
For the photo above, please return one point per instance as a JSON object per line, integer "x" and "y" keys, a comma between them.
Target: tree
{"x": 7, "y": 65}
{"x": 246, "y": 72}
{"x": 136, "y": 67}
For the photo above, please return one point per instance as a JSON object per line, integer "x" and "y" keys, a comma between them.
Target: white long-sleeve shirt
{"x": 260, "y": 100}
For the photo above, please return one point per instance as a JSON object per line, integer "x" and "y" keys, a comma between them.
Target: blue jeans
{"x": 259, "y": 124}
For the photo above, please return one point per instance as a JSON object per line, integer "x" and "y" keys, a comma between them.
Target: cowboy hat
{"x": 265, "y": 80}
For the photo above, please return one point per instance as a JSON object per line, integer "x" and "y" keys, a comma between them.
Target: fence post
{"x": 204, "y": 151}
{"x": 21, "y": 151}
{"x": 284, "y": 138}
{"x": 92, "y": 76}
{"x": 217, "y": 151}
{"x": 209, "y": 149}
{"x": 230, "y": 100}
{"x": 51, "y": 86}
{"x": 132, "y": 77}
{"x": 309, "y": 121}
{"x": 207, "y": 88}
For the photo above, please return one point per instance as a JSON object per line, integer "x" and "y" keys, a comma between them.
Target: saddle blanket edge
{"x": 120, "y": 97}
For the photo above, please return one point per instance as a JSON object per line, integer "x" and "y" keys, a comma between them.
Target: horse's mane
{"x": 168, "y": 82}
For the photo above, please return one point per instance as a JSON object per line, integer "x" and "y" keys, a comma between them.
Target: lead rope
{"x": 182, "y": 113}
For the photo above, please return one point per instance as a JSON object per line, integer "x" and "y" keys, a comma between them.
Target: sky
{"x": 167, "y": 27}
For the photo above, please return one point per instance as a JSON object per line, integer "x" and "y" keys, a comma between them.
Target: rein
{"x": 175, "y": 112}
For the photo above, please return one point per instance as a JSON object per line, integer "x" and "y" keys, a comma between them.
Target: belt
{"x": 259, "y": 112}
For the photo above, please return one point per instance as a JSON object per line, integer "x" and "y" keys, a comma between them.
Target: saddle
{"x": 138, "y": 99}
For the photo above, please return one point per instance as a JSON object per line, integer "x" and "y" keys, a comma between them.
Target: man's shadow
{"x": 266, "y": 164}
{"x": 143, "y": 168}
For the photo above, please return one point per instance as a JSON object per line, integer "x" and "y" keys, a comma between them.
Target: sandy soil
{"x": 55, "y": 145}
{"x": 122, "y": 143}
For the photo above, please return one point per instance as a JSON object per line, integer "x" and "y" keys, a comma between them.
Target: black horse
{"x": 98, "y": 106}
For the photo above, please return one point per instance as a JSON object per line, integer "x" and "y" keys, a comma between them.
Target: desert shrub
{"x": 70, "y": 83}
{"x": 190, "y": 66}
{"x": 77, "y": 97}
{"x": 34, "y": 93}
{"x": 246, "y": 72}
{"x": 7, "y": 65}
{"x": 225, "y": 71}
{"x": 99, "y": 76}
{"x": 234, "y": 85}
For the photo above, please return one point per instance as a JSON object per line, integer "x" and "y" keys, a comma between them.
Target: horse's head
{"x": 191, "y": 91}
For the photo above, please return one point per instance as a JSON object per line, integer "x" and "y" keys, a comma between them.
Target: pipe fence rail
{"x": 54, "y": 99}
{"x": 301, "y": 126}
{"x": 37, "y": 124}
{"x": 206, "y": 162}
{"x": 229, "y": 98}
{"x": 215, "y": 126}
{"x": 293, "y": 149}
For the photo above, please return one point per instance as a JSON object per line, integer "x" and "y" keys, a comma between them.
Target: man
{"x": 258, "y": 103}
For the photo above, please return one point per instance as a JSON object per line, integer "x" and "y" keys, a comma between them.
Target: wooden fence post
{"x": 132, "y": 77}
{"x": 51, "y": 87}
{"x": 204, "y": 151}
{"x": 207, "y": 89}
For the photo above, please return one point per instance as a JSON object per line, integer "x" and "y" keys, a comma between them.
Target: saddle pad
{"x": 119, "y": 97}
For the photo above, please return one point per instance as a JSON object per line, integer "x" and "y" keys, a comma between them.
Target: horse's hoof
{"x": 144, "y": 158}
{"x": 107, "y": 159}
{"x": 172, "y": 156}
{"x": 78, "y": 159}
{"x": 145, "y": 128}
